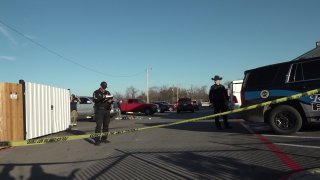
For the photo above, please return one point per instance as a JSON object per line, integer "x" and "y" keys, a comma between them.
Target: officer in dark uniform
{"x": 218, "y": 96}
{"x": 102, "y": 107}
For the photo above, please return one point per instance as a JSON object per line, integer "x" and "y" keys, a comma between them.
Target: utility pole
{"x": 147, "y": 90}
{"x": 147, "y": 85}
{"x": 172, "y": 99}
{"x": 177, "y": 94}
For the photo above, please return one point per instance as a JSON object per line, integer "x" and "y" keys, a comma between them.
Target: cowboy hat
{"x": 216, "y": 77}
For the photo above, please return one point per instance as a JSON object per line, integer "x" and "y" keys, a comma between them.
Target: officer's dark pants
{"x": 102, "y": 117}
{"x": 220, "y": 109}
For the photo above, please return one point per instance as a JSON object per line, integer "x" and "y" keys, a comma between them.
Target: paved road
{"x": 188, "y": 151}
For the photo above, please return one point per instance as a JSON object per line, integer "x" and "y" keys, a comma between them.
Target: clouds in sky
{"x": 7, "y": 58}
{"x": 5, "y": 33}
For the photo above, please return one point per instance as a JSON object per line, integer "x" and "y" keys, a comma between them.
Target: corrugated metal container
{"x": 47, "y": 110}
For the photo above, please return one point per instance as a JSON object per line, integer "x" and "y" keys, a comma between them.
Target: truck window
{"x": 292, "y": 73}
{"x": 296, "y": 73}
{"x": 261, "y": 77}
{"x": 311, "y": 70}
{"x": 130, "y": 101}
{"x": 84, "y": 101}
{"x": 135, "y": 101}
{"x": 140, "y": 101}
{"x": 299, "y": 74}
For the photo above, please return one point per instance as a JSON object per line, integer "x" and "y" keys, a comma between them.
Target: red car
{"x": 138, "y": 105}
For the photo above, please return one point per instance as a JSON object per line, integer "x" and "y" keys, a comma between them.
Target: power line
{"x": 63, "y": 57}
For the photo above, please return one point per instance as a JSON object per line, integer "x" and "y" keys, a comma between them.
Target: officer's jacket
{"x": 218, "y": 94}
{"x": 101, "y": 102}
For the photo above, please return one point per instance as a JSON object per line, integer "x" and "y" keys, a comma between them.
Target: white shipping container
{"x": 47, "y": 110}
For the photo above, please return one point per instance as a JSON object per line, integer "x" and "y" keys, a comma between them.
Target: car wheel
{"x": 148, "y": 112}
{"x": 123, "y": 112}
{"x": 285, "y": 120}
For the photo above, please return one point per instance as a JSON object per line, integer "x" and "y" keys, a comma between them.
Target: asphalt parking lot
{"x": 194, "y": 150}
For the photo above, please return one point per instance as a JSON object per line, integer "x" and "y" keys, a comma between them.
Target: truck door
{"x": 132, "y": 105}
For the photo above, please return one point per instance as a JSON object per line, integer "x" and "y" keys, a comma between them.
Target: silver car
{"x": 115, "y": 109}
{"x": 86, "y": 108}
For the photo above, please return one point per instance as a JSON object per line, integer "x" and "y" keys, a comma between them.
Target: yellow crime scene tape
{"x": 97, "y": 135}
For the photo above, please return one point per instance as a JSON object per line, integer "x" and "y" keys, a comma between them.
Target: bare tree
{"x": 131, "y": 92}
{"x": 142, "y": 96}
{"x": 119, "y": 96}
{"x": 166, "y": 93}
{"x": 154, "y": 94}
{"x": 227, "y": 83}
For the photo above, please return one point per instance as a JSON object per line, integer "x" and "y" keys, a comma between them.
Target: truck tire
{"x": 123, "y": 112}
{"x": 148, "y": 112}
{"x": 285, "y": 120}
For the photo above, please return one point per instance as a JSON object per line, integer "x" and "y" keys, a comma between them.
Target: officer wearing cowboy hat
{"x": 218, "y": 96}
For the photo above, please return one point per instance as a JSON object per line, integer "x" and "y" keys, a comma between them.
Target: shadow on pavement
{"x": 161, "y": 164}
{"x": 311, "y": 128}
{"x": 5, "y": 172}
{"x": 37, "y": 172}
{"x": 204, "y": 126}
{"x": 177, "y": 165}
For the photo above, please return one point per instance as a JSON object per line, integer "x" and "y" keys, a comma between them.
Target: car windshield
{"x": 184, "y": 100}
{"x": 115, "y": 105}
{"x": 141, "y": 101}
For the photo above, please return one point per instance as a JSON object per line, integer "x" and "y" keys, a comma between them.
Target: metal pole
{"x": 147, "y": 85}
{"x": 177, "y": 94}
{"x": 172, "y": 99}
{"x": 23, "y": 83}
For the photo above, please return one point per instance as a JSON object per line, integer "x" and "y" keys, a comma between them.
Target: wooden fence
{"x": 11, "y": 112}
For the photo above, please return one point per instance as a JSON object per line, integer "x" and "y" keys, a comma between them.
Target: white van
{"x": 235, "y": 94}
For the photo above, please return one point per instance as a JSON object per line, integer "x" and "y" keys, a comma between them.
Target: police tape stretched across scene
{"x": 94, "y": 135}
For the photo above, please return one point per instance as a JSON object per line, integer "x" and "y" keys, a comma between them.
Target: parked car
{"x": 171, "y": 106}
{"x": 281, "y": 80}
{"x": 162, "y": 107}
{"x": 205, "y": 104}
{"x": 115, "y": 109}
{"x": 85, "y": 107}
{"x": 196, "y": 105}
{"x": 185, "y": 104}
{"x": 138, "y": 105}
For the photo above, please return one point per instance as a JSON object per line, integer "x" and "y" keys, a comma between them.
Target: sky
{"x": 76, "y": 44}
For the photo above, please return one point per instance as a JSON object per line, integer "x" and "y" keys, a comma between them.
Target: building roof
{"x": 313, "y": 53}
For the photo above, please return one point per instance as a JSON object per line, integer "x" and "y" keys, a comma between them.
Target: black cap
{"x": 103, "y": 84}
